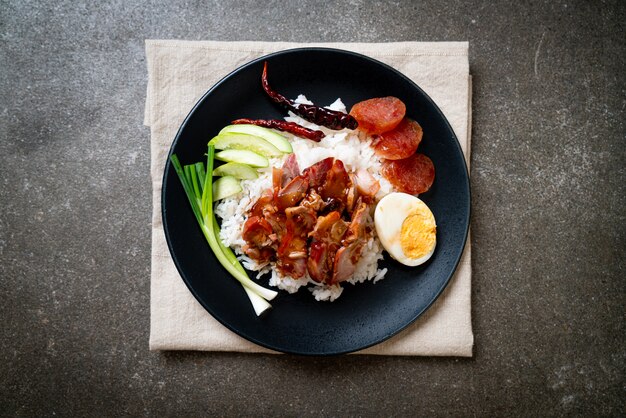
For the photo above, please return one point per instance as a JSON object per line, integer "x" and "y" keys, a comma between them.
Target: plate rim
{"x": 466, "y": 187}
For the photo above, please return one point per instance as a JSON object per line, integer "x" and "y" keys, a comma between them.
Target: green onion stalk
{"x": 198, "y": 185}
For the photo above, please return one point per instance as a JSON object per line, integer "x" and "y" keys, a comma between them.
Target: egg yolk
{"x": 418, "y": 234}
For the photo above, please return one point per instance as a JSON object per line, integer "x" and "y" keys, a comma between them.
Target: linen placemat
{"x": 180, "y": 72}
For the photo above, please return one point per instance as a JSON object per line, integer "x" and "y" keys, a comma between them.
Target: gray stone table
{"x": 548, "y": 217}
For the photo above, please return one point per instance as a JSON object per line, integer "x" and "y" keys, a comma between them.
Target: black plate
{"x": 365, "y": 314}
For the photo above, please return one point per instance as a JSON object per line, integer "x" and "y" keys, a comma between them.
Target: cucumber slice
{"x": 225, "y": 186}
{"x": 237, "y": 170}
{"x": 243, "y": 156}
{"x": 247, "y": 142}
{"x": 278, "y": 140}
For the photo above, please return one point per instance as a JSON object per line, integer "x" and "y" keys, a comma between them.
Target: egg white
{"x": 389, "y": 216}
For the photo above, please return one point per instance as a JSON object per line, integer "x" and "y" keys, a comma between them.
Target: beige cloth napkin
{"x": 180, "y": 72}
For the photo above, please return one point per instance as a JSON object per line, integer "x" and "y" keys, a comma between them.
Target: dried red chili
{"x": 315, "y": 114}
{"x": 284, "y": 126}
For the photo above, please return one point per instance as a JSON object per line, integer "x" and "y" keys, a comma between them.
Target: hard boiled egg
{"x": 406, "y": 227}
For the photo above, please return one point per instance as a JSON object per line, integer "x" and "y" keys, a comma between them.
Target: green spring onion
{"x": 197, "y": 183}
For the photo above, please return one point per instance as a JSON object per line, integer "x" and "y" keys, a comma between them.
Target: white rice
{"x": 344, "y": 145}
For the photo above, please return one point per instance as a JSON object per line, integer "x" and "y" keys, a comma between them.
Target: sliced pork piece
{"x": 345, "y": 262}
{"x": 336, "y": 183}
{"x": 316, "y": 174}
{"x": 319, "y": 264}
{"x": 356, "y": 229}
{"x": 264, "y": 205}
{"x": 366, "y": 184}
{"x": 329, "y": 228}
{"x": 313, "y": 201}
{"x": 282, "y": 176}
{"x": 279, "y": 229}
{"x": 290, "y": 168}
{"x": 292, "y": 193}
{"x": 353, "y": 243}
{"x": 293, "y": 251}
{"x": 302, "y": 218}
{"x": 326, "y": 240}
{"x": 277, "y": 178}
{"x": 257, "y": 233}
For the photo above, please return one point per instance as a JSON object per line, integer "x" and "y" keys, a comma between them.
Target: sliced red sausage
{"x": 413, "y": 175}
{"x": 399, "y": 143}
{"x": 378, "y": 115}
